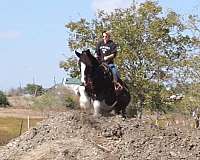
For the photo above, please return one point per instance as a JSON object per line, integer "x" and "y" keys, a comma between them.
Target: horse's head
{"x": 87, "y": 61}
{"x": 86, "y": 57}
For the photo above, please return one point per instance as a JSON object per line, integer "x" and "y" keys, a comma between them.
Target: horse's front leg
{"x": 84, "y": 100}
{"x": 97, "y": 108}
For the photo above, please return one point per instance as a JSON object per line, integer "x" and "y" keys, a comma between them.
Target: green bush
{"x": 70, "y": 102}
{"x": 3, "y": 100}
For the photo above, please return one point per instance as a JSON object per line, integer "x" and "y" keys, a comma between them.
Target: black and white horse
{"x": 98, "y": 88}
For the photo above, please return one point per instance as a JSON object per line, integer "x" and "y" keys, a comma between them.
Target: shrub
{"x": 70, "y": 102}
{"x": 3, "y": 100}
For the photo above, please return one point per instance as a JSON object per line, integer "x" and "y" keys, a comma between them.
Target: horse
{"x": 97, "y": 87}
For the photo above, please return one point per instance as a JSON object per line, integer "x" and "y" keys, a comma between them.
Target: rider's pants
{"x": 114, "y": 71}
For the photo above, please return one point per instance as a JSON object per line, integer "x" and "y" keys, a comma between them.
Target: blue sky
{"x": 33, "y": 38}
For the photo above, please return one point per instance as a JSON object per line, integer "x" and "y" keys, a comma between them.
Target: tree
{"x": 71, "y": 67}
{"x": 153, "y": 48}
{"x": 34, "y": 89}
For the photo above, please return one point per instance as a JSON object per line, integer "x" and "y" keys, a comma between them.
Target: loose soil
{"x": 76, "y": 135}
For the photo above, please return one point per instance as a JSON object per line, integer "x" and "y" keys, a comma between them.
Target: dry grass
{"x": 11, "y": 127}
{"x": 56, "y": 99}
{"x": 174, "y": 120}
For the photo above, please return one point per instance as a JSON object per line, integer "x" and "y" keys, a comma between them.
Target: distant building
{"x": 72, "y": 84}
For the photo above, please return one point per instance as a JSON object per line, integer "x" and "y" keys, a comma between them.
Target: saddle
{"x": 106, "y": 69}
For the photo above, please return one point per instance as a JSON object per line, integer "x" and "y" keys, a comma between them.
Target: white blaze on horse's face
{"x": 83, "y": 66}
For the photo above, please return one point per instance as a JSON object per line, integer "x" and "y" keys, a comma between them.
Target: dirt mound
{"x": 74, "y": 135}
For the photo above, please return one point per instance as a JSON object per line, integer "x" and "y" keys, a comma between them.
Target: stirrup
{"x": 118, "y": 86}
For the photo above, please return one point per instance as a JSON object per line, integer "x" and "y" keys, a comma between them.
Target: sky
{"x": 33, "y": 37}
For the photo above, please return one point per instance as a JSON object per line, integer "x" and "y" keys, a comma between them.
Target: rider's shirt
{"x": 105, "y": 49}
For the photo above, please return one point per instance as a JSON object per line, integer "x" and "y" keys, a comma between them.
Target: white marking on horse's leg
{"x": 97, "y": 107}
{"x": 84, "y": 99}
{"x": 83, "y": 66}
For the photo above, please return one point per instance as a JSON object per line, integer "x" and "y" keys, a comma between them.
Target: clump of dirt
{"x": 76, "y": 135}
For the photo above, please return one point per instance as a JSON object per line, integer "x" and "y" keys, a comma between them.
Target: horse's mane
{"x": 94, "y": 59}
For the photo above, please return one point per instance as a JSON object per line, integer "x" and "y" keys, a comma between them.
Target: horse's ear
{"x": 78, "y": 54}
{"x": 87, "y": 51}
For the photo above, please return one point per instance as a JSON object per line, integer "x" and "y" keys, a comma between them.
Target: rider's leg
{"x": 116, "y": 76}
{"x": 114, "y": 71}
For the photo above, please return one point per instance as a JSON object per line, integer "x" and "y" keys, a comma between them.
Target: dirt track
{"x": 75, "y": 135}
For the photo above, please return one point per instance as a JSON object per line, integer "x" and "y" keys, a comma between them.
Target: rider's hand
{"x": 105, "y": 58}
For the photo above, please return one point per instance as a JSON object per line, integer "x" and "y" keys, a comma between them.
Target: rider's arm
{"x": 109, "y": 57}
{"x": 113, "y": 53}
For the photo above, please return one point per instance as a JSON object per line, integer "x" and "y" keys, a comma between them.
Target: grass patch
{"x": 11, "y": 127}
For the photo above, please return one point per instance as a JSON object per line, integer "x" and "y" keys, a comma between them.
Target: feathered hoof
{"x": 97, "y": 115}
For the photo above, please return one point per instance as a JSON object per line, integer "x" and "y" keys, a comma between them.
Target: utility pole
{"x": 20, "y": 88}
{"x": 54, "y": 80}
{"x": 20, "y": 85}
{"x": 134, "y": 4}
{"x": 33, "y": 80}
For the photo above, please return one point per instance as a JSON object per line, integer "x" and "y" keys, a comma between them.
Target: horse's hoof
{"x": 96, "y": 115}
{"x": 124, "y": 118}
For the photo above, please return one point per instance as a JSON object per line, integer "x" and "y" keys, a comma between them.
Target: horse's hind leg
{"x": 117, "y": 110}
{"x": 121, "y": 111}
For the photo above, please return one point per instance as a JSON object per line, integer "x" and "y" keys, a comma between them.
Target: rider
{"x": 106, "y": 51}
